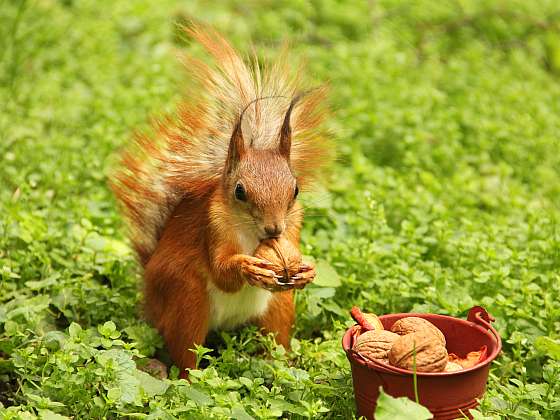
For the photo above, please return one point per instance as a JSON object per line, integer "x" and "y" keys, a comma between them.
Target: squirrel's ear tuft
{"x": 236, "y": 147}
{"x": 285, "y": 143}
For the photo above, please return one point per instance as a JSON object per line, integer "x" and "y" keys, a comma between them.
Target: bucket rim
{"x": 477, "y": 313}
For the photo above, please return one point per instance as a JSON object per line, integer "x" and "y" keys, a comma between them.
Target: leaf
{"x": 477, "y": 415}
{"x": 150, "y": 385}
{"x": 45, "y": 414}
{"x": 326, "y": 275}
{"x": 548, "y": 346}
{"x": 109, "y": 330}
{"x": 146, "y": 338}
{"x": 74, "y": 329}
{"x": 197, "y": 396}
{"x": 126, "y": 381}
{"x": 390, "y": 408}
{"x": 114, "y": 394}
{"x": 54, "y": 340}
{"x": 285, "y": 406}
{"x": 316, "y": 294}
{"x": 43, "y": 284}
{"x": 120, "y": 359}
{"x": 41, "y": 401}
{"x": 129, "y": 386}
{"x": 246, "y": 381}
{"x": 160, "y": 414}
{"x": 319, "y": 199}
{"x": 117, "y": 248}
{"x": 239, "y": 413}
{"x": 333, "y": 307}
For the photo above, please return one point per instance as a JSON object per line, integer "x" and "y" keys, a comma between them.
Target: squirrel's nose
{"x": 274, "y": 230}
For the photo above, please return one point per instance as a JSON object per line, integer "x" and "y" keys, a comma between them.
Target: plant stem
{"x": 414, "y": 377}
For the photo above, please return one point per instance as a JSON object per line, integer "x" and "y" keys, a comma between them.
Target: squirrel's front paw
{"x": 304, "y": 276}
{"x": 258, "y": 273}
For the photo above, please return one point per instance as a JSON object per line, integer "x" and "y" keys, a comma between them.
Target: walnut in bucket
{"x": 420, "y": 348}
{"x": 375, "y": 345}
{"x": 412, "y": 324}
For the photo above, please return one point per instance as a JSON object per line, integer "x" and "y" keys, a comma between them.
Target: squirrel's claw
{"x": 257, "y": 275}
{"x": 258, "y": 281}
{"x": 282, "y": 283}
{"x": 305, "y": 267}
{"x": 305, "y": 276}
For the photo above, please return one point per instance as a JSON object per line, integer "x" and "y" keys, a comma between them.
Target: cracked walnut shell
{"x": 365, "y": 320}
{"x": 431, "y": 354}
{"x": 412, "y": 324}
{"x": 375, "y": 345}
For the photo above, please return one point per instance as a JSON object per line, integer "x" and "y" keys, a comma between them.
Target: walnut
{"x": 283, "y": 254}
{"x": 375, "y": 345}
{"x": 412, "y": 324}
{"x": 452, "y": 367}
{"x": 431, "y": 355}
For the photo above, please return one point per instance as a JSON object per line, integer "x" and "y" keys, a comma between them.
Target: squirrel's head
{"x": 259, "y": 183}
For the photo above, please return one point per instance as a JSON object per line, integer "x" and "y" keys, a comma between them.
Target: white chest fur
{"x": 229, "y": 310}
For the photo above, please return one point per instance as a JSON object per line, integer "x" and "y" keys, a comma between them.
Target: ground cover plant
{"x": 445, "y": 195}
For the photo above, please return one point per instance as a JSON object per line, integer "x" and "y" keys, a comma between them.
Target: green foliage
{"x": 389, "y": 408}
{"x": 445, "y": 195}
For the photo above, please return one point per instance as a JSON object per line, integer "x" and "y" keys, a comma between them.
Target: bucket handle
{"x": 480, "y": 316}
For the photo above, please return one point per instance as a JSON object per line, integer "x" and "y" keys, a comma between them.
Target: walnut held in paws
{"x": 430, "y": 353}
{"x": 284, "y": 256}
{"x": 375, "y": 345}
{"x": 412, "y": 324}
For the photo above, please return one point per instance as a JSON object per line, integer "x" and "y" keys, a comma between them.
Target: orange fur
{"x": 178, "y": 188}
{"x": 279, "y": 317}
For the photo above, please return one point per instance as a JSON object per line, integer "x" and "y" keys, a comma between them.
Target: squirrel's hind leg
{"x": 179, "y": 309}
{"x": 279, "y": 317}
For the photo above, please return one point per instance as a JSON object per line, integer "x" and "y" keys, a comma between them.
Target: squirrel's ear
{"x": 236, "y": 147}
{"x": 285, "y": 143}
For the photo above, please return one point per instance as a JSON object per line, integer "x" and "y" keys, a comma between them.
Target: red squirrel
{"x": 211, "y": 182}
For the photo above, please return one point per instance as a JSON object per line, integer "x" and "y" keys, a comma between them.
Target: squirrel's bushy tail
{"x": 186, "y": 153}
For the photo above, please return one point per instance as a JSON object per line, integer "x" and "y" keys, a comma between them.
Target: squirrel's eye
{"x": 240, "y": 193}
{"x": 296, "y": 192}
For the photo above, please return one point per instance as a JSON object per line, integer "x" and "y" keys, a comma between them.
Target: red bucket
{"x": 448, "y": 395}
